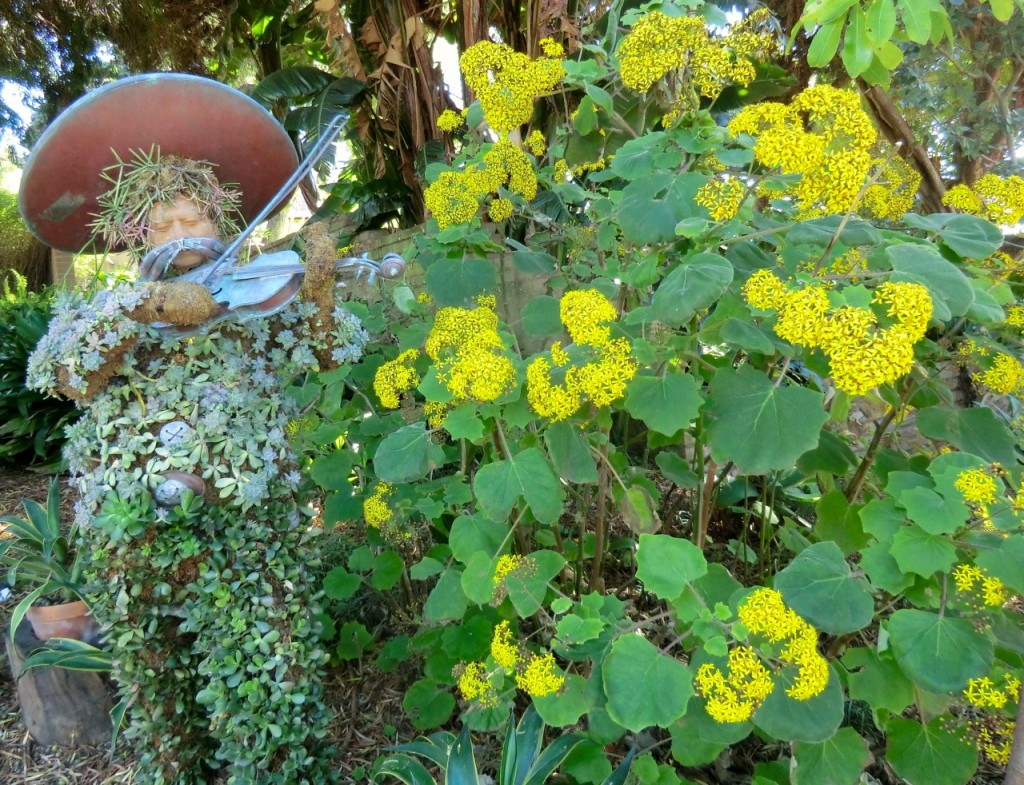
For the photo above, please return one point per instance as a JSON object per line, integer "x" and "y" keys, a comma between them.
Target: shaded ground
{"x": 367, "y": 704}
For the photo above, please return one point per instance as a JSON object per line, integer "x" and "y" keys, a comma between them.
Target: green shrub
{"x": 31, "y": 424}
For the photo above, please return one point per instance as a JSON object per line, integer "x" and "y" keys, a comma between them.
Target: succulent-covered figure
{"x": 200, "y": 555}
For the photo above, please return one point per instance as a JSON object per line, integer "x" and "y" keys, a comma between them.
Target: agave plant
{"x": 37, "y": 553}
{"x": 524, "y": 759}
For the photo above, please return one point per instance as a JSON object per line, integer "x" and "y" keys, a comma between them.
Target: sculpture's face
{"x": 176, "y": 220}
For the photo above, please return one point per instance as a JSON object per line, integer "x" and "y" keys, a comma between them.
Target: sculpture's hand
{"x": 183, "y": 303}
{"x": 155, "y": 263}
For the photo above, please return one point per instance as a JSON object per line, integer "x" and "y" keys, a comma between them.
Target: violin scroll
{"x": 392, "y": 266}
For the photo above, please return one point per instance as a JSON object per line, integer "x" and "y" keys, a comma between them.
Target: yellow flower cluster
{"x": 449, "y": 120}
{"x": 396, "y": 377}
{"x": 375, "y": 508}
{"x": 722, "y": 198}
{"x": 451, "y": 200}
{"x": 658, "y": 45}
{"x": 862, "y": 355}
{"x": 992, "y": 734}
{"x": 500, "y": 209}
{"x": 590, "y": 166}
{"x": 601, "y": 380}
{"x": 535, "y": 674}
{"x": 536, "y": 143}
{"x": 892, "y": 194}
{"x": 764, "y": 613}
{"x": 508, "y": 564}
{"x": 997, "y": 199}
{"x": 823, "y": 135}
{"x": 736, "y": 696}
{"x": 475, "y": 684}
{"x": 985, "y": 695}
{"x": 454, "y": 197}
{"x": 977, "y": 486}
{"x": 551, "y": 48}
{"x": 538, "y": 677}
{"x": 561, "y": 173}
{"x": 970, "y": 578}
{"x": 1005, "y": 375}
{"x": 1015, "y": 317}
{"x": 468, "y": 353}
{"x": 503, "y": 648}
{"x": 507, "y": 82}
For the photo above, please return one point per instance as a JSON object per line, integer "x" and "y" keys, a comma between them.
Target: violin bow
{"x": 314, "y": 155}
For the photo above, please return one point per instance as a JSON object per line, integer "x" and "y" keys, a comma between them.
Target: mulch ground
{"x": 367, "y": 704}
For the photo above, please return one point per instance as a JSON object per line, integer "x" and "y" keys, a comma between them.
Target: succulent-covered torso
{"x": 209, "y": 603}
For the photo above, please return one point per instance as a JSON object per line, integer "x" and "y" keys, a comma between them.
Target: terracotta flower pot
{"x": 69, "y": 620}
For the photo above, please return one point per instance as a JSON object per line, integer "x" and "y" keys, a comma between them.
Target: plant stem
{"x": 1015, "y": 766}
{"x": 600, "y": 524}
{"x": 857, "y": 482}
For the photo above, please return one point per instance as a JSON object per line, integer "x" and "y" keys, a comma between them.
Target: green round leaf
{"x": 836, "y": 761}
{"x": 819, "y": 585}
{"x": 950, "y": 289}
{"x": 666, "y": 403}
{"x": 566, "y": 706}
{"x": 937, "y": 652}
{"x": 340, "y": 584}
{"x": 541, "y": 317}
{"x": 696, "y": 283}
{"x": 456, "y": 283}
{"x": 644, "y": 687}
{"x": 570, "y": 453}
{"x": 813, "y": 720}
{"x": 427, "y": 705}
{"x": 760, "y": 426}
{"x": 499, "y": 485}
{"x": 667, "y": 565}
{"x": 407, "y": 454}
{"x": 927, "y": 754}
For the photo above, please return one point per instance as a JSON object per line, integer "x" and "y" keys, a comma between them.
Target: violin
{"x": 261, "y": 288}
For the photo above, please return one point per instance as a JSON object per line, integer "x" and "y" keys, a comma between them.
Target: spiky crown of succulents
{"x": 149, "y": 179}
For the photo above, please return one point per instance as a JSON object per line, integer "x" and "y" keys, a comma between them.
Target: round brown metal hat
{"x": 178, "y": 114}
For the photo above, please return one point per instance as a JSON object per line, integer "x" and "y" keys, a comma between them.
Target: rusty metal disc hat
{"x": 182, "y": 115}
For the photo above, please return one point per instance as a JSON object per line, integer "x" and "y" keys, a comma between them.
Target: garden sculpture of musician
{"x": 200, "y": 557}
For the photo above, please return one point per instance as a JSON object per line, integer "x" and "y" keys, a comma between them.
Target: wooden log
{"x": 59, "y": 706}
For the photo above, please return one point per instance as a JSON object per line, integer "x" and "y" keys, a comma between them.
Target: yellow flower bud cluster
{"x": 454, "y": 197}
{"x": 658, "y": 45}
{"x": 376, "y": 511}
{"x": 734, "y": 696}
{"x": 508, "y": 82}
{"x": 609, "y": 365}
{"x": 722, "y": 197}
{"x": 971, "y": 579}
{"x": 764, "y": 613}
{"x": 823, "y": 135}
{"x": 535, "y": 674}
{"x": 892, "y": 194}
{"x": 450, "y": 120}
{"x": 862, "y": 355}
{"x": 994, "y": 198}
{"x": 1005, "y": 375}
{"x": 536, "y": 143}
{"x": 396, "y": 377}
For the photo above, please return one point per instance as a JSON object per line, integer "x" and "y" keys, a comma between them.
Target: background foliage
{"x": 699, "y": 433}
